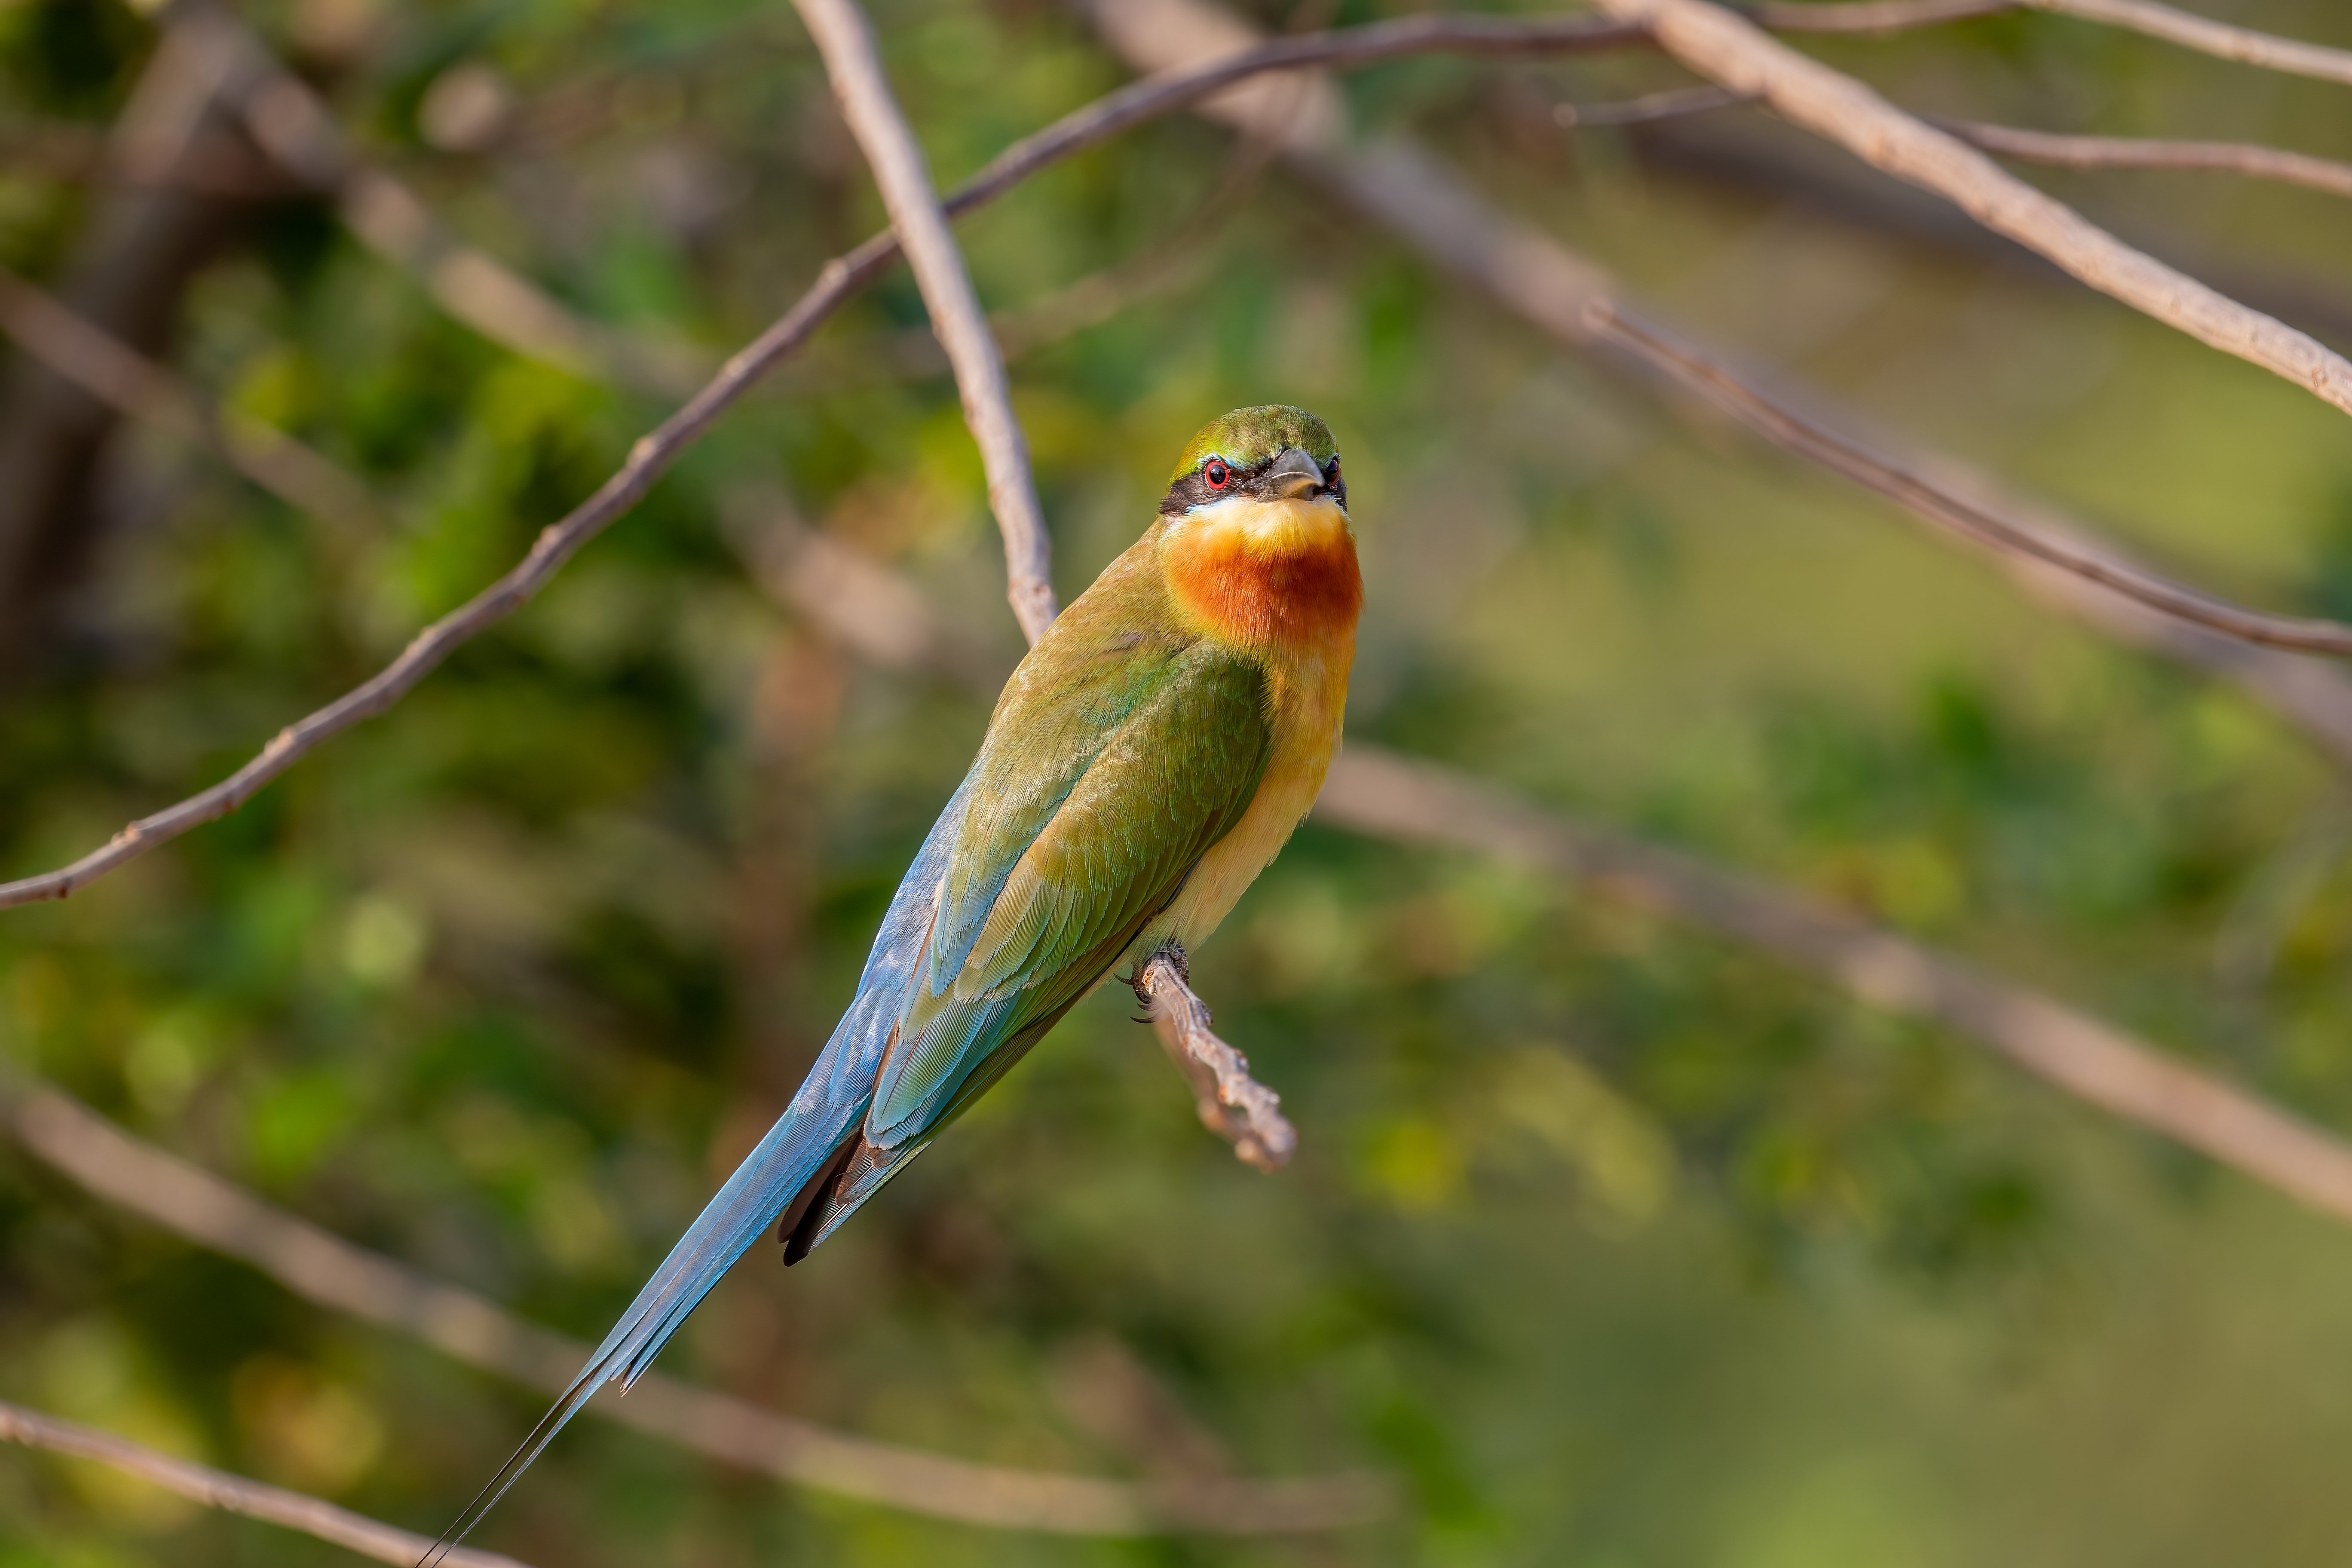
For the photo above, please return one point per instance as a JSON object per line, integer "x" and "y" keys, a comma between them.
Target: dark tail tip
{"x": 510, "y": 1472}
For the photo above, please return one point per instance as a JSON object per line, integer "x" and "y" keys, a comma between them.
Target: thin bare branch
{"x": 1736, "y": 54}
{"x": 234, "y": 1494}
{"x": 114, "y": 372}
{"x": 1621, "y": 326}
{"x": 847, "y": 41}
{"x": 1396, "y": 184}
{"x": 2149, "y": 152}
{"x": 1394, "y": 797}
{"x": 1231, "y": 1104}
{"x": 2314, "y": 695}
{"x": 324, "y": 1268}
{"x": 2065, "y": 151}
{"x": 1870, "y": 16}
{"x": 2207, "y": 36}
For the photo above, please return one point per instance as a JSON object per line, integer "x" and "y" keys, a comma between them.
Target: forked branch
{"x": 1735, "y": 53}
{"x": 2254, "y": 162}
{"x": 2202, "y": 34}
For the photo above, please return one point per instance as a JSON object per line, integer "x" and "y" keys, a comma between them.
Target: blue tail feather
{"x": 831, "y": 1102}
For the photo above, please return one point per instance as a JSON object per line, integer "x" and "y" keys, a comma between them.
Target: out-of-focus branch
{"x": 1674, "y": 104}
{"x": 1231, "y": 1104}
{"x": 138, "y": 247}
{"x": 1736, "y": 54}
{"x": 324, "y": 1268}
{"x": 847, "y": 41}
{"x": 2150, "y": 153}
{"x": 1396, "y": 185}
{"x": 288, "y": 119}
{"x": 1373, "y": 792}
{"x": 2208, "y": 36}
{"x": 73, "y": 150}
{"x": 234, "y": 1494}
{"x": 124, "y": 379}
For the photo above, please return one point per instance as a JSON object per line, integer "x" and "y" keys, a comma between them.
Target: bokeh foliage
{"x": 1620, "y": 1246}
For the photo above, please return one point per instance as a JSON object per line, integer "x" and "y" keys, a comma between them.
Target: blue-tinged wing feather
{"x": 1039, "y": 909}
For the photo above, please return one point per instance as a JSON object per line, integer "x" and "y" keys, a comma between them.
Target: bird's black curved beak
{"x": 1293, "y": 476}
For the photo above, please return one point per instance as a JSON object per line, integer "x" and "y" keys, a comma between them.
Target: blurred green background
{"x": 1621, "y": 1247}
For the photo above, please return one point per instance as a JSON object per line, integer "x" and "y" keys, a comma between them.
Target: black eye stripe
{"x": 1192, "y": 488}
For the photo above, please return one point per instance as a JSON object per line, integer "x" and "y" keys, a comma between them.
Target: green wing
{"x": 1090, "y": 803}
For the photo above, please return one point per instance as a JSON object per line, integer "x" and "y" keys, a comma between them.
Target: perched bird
{"x": 1146, "y": 761}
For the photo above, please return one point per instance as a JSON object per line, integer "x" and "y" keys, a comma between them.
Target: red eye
{"x": 1216, "y": 473}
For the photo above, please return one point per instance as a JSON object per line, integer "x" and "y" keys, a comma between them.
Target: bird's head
{"x": 1255, "y": 540}
{"x": 1257, "y": 455}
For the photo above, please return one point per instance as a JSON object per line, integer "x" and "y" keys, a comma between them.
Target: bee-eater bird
{"x": 1146, "y": 761}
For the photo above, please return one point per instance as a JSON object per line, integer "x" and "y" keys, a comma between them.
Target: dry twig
{"x": 1734, "y": 53}
{"x": 2065, "y": 151}
{"x": 2151, "y": 153}
{"x": 1870, "y": 16}
{"x": 1373, "y": 792}
{"x": 1621, "y": 326}
{"x": 2192, "y": 32}
{"x": 324, "y": 1268}
{"x": 1231, "y": 1104}
{"x": 235, "y": 1494}
{"x": 847, "y": 41}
